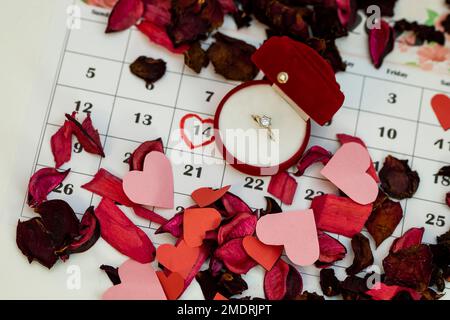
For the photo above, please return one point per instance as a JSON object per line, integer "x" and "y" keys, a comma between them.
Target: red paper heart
{"x": 178, "y": 259}
{"x": 206, "y": 196}
{"x": 187, "y": 139}
{"x": 196, "y": 222}
{"x": 262, "y": 253}
{"x": 173, "y": 284}
{"x": 441, "y": 107}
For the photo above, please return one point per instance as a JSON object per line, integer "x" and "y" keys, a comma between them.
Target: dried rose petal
{"x": 326, "y": 23}
{"x": 311, "y": 156}
{"x": 204, "y": 254}
{"x": 124, "y": 15}
{"x": 159, "y": 36}
{"x": 411, "y": 267}
{"x": 231, "y": 58}
{"x": 397, "y": 178}
{"x": 345, "y": 138}
{"x": 149, "y": 215}
{"x": 340, "y": 215}
{"x": 283, "y": 187}
{"x": 235, "y": 257}
{"x": 347, "y": 12}
{"x": 330, "y": 285}
{"x": 158, "y": 12}
{"x": 61, "y": 144}
{"x": 241, "y": 225}
{"x": 88, "y": 235}
{"x": 363, "y": 254}
{"x": 282, "y": 282}
{"x": 331, "y": 250}
{"x": 355, "y": 288}
{"x": 196, "y": 58}
{"x": 271, "y": 207}
{"x": 112, "y": 273}
{"x": 311, "y": 296}
{"x": 174, "y": 226}
{"x": 122, "y": 234}
{"x": 108, "y": 186}
{"x": 422, "y": 32}
{"x": 42, "y": 183}
{"x": 430, "y": 295}
{"x": 385, "y": 292}
{"x": 60, "y": 221}
{"x": 137, "y": 158}
{"x": 35, "y": 242}
{"x": 381, "y": 43}
{"x": 230, "y": 204}
{"x": 384, "y": 219}
{"x": 148, "y": 69}
{"x": 87, "y": 135}
{"x": 410, "y": 238}
{"x": 328, "y": 50}
{"x": 227, "y": 284}
{"x": 228, "y": 6}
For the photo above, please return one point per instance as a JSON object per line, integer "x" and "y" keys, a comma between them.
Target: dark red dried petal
{"x": 410, "y": 238}
{"x": 231, "y": 58}
{"x": 326, "y": 23}
{"x": 112, "y": 273}
{"x": 331, "y": 250}
{"x": 384, "y": 219}
{"x": 294, "y": 284}
{"x": 411, "y": 267}
{"x": 107, "y": 185}
{"x": 196, "y": 58}
{"x": 385, "y": 292}
{"x": 226, "y": 283}
{"x": 283, "y": 281}
{"x": 228, "y": 6}
{"x": 355, "y": 288}
{"x": 174, "y": 226}
{"x": 60, "y": 221}
{"x": 363, "y": 254}
{"x": 241, "y": 225}
{"x": 87, "y": 135}
{"x": 122, "y": 234}
{"x": 397, "y": 178}
{"x": 149, "y": 215}
{"x": 35, "y": 242}
{"x": 89, "y": 233}
{"x": 208, "y": 284}
{"x": 159, "y": 36}
{"x": 309, "y": 296}
{"x": 345, "y": 138}
{"x": 61, "y": 144}
{"x": 124, "y": 15}
{"x": 204, "y": 254}
{"x": 230, "y": 204}
{"x": 447, "y": 199}
{"x": 340, "y": 215}
{"x": 42, "y": 183}
{"x": 347, "y": 12}
{"x": 148, "y": 69}
{"x": 283, "y": 187}
{"x": 158, "y": 12}
{"x": 381, "y": 43}
{"x": 330, "y": 285}
{"x": 235, "y": 257}
{"x": 422, "y": 32}
{"x": 272, "y": 207}
{"x": 311, "y": 156}
{"x": 137, "y": 158}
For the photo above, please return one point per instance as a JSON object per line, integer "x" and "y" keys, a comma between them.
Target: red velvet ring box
{"x": 300, "y": 85}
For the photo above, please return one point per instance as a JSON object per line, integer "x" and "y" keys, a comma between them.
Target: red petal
{"x": 232, "y": 205}
{"x": 108, "y": 186}
{"x": 282, "y": 282}
{"x": 159, "y": 36}
{"x": 385, "y": 292}
{"x": 89, "y": 233}
{"x": 174, "y": 226}
{"x": 311, "y": 156}
{"x": 347, "y": 12}
{"x": 61, "y": 144}
{"x": 234, "y": 257}
{"x": 124, "y": 15}
{"x": 137, "y": 158}
{"x": 42, "y": 183}
{"x": 345, "y": 138}
{"x": 283, "y": 187}
{"x": 158, "y": 12}
{"x": 202, "y": 257}
{"x": 122, "y": 234}
{"x": 331, "y": 250}
{"x": 410, "y": 238}
{"x": 228, "y": 6}
{"x": 242, "y": 224}
{"x": 381, "y": 43}
{"x": 340, "y": 215}
{"x": 87, "y": 135}
{"x": 149, "y": 215}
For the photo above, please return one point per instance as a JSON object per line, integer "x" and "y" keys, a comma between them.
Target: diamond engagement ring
{"x": 264, "y": 122}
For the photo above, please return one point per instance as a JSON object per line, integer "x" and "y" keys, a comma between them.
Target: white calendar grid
{"x": 390, "y": 116}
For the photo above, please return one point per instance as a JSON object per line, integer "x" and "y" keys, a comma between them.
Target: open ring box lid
{"x": 300, "y": 85}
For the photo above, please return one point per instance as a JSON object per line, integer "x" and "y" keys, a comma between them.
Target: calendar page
{"x": 389, "y": 109}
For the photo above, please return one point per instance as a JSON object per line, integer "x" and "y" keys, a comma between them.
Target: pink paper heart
{"x": 154, "y": 185}
{"x": 347, "y": 170}
{"x": 138, "y": 282}
{"x": 295, "y": 230}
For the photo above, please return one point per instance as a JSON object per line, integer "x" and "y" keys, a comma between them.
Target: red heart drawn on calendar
{"x": 202, "y": 137}
{"x": 441, "y": 107}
